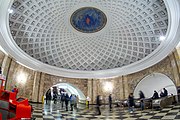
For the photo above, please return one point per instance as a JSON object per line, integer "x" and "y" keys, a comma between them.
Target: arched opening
{"x": 70, "y": 89}
{"x": 155, "y": 81}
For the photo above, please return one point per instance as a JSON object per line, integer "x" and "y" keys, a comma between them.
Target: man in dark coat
{"x": 98, "y": 103}
{"x": 48, "y": 96}
{"x": 110, "y": 102}
{"x": 131, "y": 102}
{"x": 155, "y": 95}
{"x": 165, "y": 92}
{"x": 66, "y": 101}
{"x": 62, "y": 99}
{"x": 141, "y": 97}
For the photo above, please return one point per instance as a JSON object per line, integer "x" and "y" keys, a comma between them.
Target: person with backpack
{"x": 72, "y": 101}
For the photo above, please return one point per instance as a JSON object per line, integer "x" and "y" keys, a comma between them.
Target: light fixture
{"x": 10, "y": 11}
{"x": 161, "y": 38}
{"x": 21, "y": 78}
{"x": 108, "y": 87}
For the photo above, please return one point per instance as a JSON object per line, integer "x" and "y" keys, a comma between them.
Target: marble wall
{"x": 2, "y": 55}
{"x": 22, "y": 77}
{"x": 33, "y": 84}
{"x": 124, "y": 85}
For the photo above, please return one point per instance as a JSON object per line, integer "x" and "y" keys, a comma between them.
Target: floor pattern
{"x": 56, "y": 112}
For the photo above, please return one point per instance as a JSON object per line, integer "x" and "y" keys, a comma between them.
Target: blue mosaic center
{"x": 88, "y": 20}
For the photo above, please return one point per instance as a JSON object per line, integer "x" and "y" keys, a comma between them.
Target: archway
{"x": 71, "y": 89}
{"x": 155, "y": 81}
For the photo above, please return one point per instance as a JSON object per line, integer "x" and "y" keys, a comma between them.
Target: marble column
{"x": 125, "y": 87}
{"x": 41, "y": 87}
{"x": 95, "y": 90}
{"x": 8, "y": 72}
{"x": 121, "y": 88}
{"x": 5, "y": 59}
{"x": 90, "y": 89}
{"x": 36, "y": 84}
{"x": 175, "y": 62}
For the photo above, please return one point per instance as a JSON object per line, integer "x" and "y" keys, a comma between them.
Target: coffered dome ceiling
{"x": 89, "y": 35}
{"x": 41, "y": 28}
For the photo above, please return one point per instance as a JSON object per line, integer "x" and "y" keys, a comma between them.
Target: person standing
{"x": 72, "y": 101}
{"x": 48, "y": 96}
{"x": 66, "y": 101}
{"x": 0, "y": 71}
{"x": 98, "y": 103}
{"x": 110, "y": 102}
{"x": 88, "y": 99}
{"x": 62, "y": 100}
{"x": 76, "y": 102}
{"x": 141, "y": 97}
{"x": 55, "y": 97}
{"x": 131, "y": 103}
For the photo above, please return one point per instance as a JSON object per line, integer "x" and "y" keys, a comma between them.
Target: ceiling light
{"x": 162, "y": 38}
{"x": 10, "y": 11}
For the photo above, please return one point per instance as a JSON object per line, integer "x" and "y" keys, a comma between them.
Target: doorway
{"x": 155, "y": 81}
{"x": 70, "y": 89}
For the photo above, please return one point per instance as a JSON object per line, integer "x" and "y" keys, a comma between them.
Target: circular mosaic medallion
{"x": 88, "y": 20}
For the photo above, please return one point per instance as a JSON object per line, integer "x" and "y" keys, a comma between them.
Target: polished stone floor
{"x": 53, "y": 111}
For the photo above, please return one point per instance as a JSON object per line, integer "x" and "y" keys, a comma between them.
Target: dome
{"x": 85, "y": 38}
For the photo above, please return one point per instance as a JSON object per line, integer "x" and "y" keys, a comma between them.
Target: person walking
{"x": 76, "y": 102}
{"x": 110, "y": 102}
{"x": 98, "y": 104}
{"x": 48, "y": 96}
{"x": 72, "y": 101}
{"x": 55, "y": 98}
{"x": 62, "y": 100}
